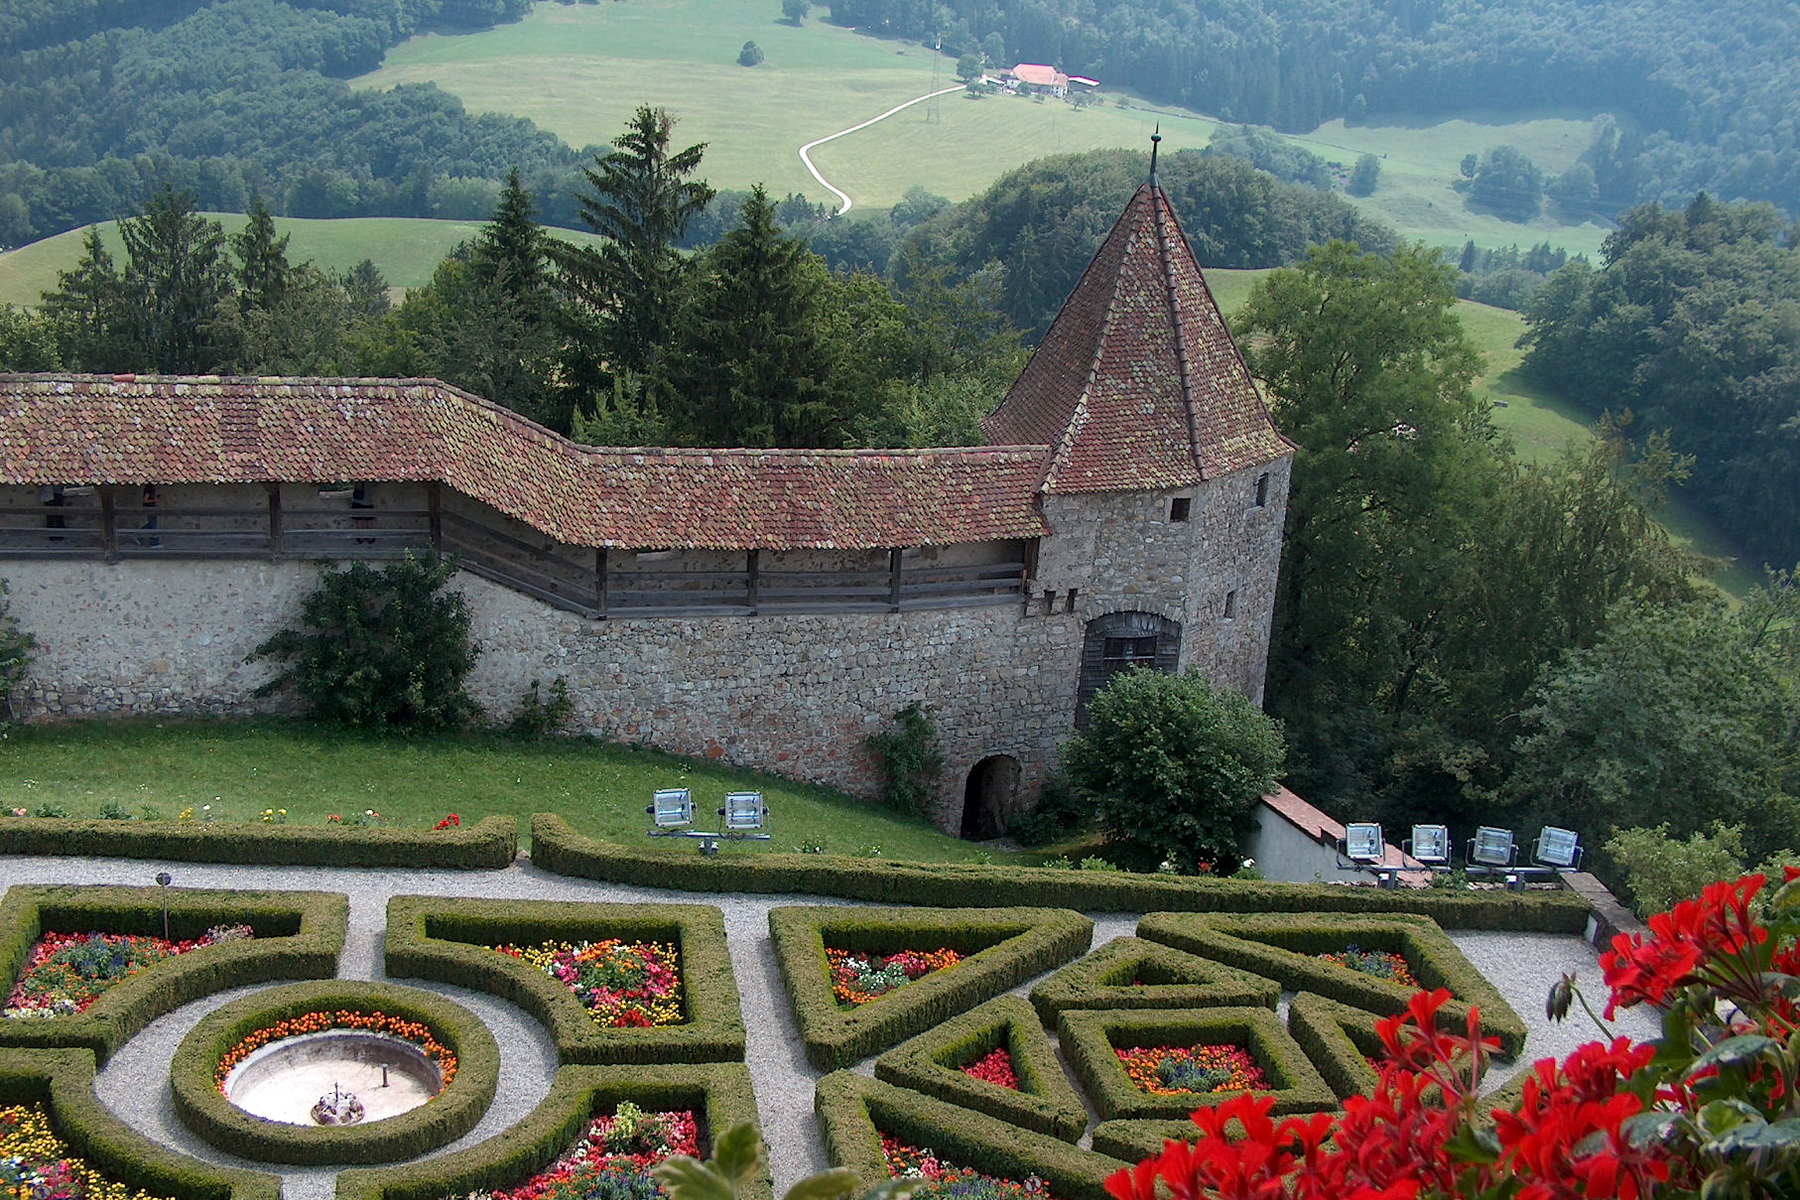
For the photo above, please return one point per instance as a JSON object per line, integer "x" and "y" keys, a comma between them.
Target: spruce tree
{"x": 88, "y": 309}
{"x": 641, "y": 199}
{"x": 176, "y": 277}
{"x": 509, "y": 251}
{"x": 755, "y": 364}
{"x": 262, "y": 264}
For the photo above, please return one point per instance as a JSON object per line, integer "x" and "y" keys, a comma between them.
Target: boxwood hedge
{"x": 1091, "y": 1041}
{"x": 452, "y": 1113}
{"x": 558, "y": 848}
{"x": 63, "y": 1081}
{"x": 1004, "y": 947}
{"x": 1339, "y": 1039}
{"x": 298, "y": 936}
{"x": 854, "y": 1111}
{"x": 719, "y": 1092}
{"x": 490, "y": 844}
{"x": 932, "y": 1063}
{"x": 1284, "y": 947}
{"x": 1134, "y": 973}
{"x": 447, "y": 939}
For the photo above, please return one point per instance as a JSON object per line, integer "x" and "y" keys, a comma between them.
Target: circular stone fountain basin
{"x": 285, "y": 1080}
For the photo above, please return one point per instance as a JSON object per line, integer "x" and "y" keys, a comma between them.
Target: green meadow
{"x": 406, "y": 250}
{"x": 579, "y": 70}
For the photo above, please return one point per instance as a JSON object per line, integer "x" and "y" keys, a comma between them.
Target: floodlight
{"x": 1557, "y": 848}
{"x": 1363, "y": 842}
{"x": 743, "y": 812}
{"x": 673, "y": 808}
{"x": 1430, "y": 844}
{"x": 1491, "y": 847}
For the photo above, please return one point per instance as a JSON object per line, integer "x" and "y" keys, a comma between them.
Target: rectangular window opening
{"x": 1230, "y": 605}
{"x": 1179, "y": 508}
{"x": 1262, "y": 490}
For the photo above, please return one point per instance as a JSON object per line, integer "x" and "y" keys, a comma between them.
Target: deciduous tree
{"x": 1174, "y": 766}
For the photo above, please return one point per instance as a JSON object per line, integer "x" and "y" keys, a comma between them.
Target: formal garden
{"x": 986, "y": 1047}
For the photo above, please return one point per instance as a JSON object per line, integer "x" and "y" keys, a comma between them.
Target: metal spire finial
{"x": 1155, "y": 141}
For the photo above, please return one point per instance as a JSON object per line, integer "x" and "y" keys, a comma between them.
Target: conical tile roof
{"x": 1138, "y": 385}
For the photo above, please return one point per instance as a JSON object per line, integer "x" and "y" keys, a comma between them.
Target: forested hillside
{"x": 102, "y": 100}
{"x": 1694, "y": 323}
{"x": 1703, "y": 91}
{"x": 1042, "y": 223}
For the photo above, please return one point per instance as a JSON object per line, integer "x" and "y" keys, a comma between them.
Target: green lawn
{"x": 241, "y": 768}
{"x": 407, "y": 251}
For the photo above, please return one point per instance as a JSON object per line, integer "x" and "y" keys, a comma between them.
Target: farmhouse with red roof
{"x": 768, "y": 608}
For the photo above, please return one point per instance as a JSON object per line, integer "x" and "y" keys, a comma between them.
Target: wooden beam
{"x": 109, "y": 526}
{"x": 752, "y": 583}
{"x": 600, "y": 565}
{"x": 894, "y": 579}
{"x": 275, "y": 530}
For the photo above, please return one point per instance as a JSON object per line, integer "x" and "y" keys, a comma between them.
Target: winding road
{"x": 806, "y": 156}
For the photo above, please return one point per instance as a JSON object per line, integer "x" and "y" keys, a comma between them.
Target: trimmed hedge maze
{"x": 719, "y": 1090}
{"x": 556, "y": 847}
{"x": 488, "y": 845}
{"x": 449, "y": 1115}
{"x": 299, "y": 935}
{"x": 450, "y": 940}
{"x": 1286, "y": 947}
{"x": 1195, "y": 994}
{"x": 1002, "y": 947}
{"x": 62, "y": 1080}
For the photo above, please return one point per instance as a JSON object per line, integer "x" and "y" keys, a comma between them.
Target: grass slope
{"x": 241, "y": 768}
{"x": 406, "y": 250}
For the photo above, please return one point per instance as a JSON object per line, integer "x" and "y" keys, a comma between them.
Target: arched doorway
{"x": 989, "y": 797}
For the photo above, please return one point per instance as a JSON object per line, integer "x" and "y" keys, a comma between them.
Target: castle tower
{"x": 1165, "y": 486}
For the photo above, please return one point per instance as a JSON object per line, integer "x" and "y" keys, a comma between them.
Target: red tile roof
{"x": 1137, "y": 384}
{"x": 129, "y": 430}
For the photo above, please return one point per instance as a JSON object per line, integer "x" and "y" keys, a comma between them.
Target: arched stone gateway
{"x": 990, "y": 797}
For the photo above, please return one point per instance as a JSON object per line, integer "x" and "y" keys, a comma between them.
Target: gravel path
{"x": 135, "y": 1083}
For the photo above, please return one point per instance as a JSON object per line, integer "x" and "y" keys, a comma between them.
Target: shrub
{"x": 538, "y": 718}
{"x": 1059, "y": 812}
{"x": 1660, "y": 870}
{"x": 383, "y": 649}
{"x": 1174, "y": 766}
{"x": 489, "y": 844}
{"x": 17, "y": 649}
{"x": 908, "y": 758}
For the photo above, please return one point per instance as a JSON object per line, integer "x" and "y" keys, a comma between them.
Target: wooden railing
{"x": 579, "y": 580}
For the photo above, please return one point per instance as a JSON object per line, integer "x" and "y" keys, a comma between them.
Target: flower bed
{"x": 66, "y": 972}
{"x": 1382, "y": 964}
{"x": 622, "y": 985}
{"x": 611, "y": 1159}
{"x": 35, "y": 1163}
{"x": 416, "y": 1032}
{"x": 1202, "y": 1068}
{"x": 995, "y": 1067}
{"x": 857, "y": 979}
{"x": 950, "y": 1182}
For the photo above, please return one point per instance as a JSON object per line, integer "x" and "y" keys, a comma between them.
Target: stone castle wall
{"x": 792, "y": 694}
